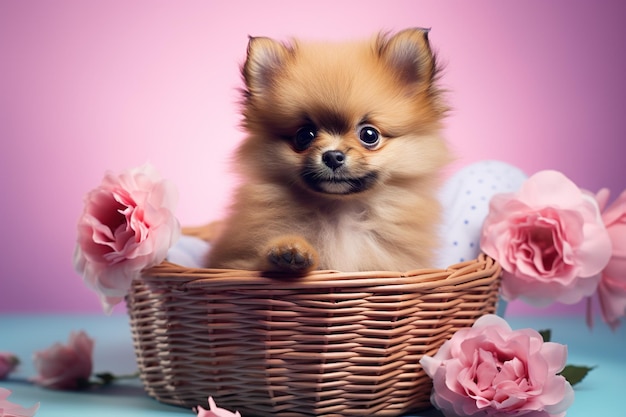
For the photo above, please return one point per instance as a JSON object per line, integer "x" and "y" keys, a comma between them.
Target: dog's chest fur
{"x": 343, "y": 239}
{"x": 347, "y": 240}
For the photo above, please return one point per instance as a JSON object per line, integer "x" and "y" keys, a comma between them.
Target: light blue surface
{"x": 601, "y": 393}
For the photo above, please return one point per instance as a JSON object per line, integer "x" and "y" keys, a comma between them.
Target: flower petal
{"x": 127, "y": 226}
{"x": 491, "y": 370}
{"x": 549, "y": 188}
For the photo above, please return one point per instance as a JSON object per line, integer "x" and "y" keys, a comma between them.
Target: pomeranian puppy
{"x": 341, "y": 160}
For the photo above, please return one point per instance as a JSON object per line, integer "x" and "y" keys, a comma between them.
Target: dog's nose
{"x": 334, "y": 159}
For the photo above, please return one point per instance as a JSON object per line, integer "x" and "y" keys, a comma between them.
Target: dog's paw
{"x": 291, "y": 254}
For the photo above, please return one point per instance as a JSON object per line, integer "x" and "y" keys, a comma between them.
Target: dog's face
{"x": 342, "y": 119}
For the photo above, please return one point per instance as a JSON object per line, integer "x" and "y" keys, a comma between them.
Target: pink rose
{"x": 215, "y": 411}
{"x": 491, "y": 370}
{"x": 9, "y": 409}
{"x": 65, "y": 366}
{"x": 8, "y": 363}
{"x": 127, "y": 225}
{"x": 549, "y": 238}
{"x": 612, "y": 287}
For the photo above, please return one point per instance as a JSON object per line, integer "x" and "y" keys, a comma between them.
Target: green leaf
{"x": 546, "y": 334}
{"x": 574, "y": 373}
{"x": 106, "y": 378}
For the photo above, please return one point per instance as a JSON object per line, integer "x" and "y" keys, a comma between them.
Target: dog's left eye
{"x": 369, "y": 136}
{"x": 304, "y": 137}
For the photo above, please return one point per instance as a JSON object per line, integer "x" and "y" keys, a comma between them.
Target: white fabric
{"x": 465, "y": 198}
{"x": 189, "y": 251}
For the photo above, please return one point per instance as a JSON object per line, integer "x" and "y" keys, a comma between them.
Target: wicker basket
{"x": 328, "y": 344}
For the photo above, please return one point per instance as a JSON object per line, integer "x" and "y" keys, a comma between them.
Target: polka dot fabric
{"x": 465, "y": 198}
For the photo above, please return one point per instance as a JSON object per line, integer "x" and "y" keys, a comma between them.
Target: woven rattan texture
{"x": 328, "y": 344}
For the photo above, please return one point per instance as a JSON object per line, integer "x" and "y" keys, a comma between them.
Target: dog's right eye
{"x": 304, "y": 137}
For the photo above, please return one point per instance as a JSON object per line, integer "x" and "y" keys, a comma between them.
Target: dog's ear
{"x": 408, "y": 52}
{"x": 265, "y": 59}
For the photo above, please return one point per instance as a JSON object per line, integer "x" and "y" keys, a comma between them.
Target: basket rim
{"x": 468, "y": 273}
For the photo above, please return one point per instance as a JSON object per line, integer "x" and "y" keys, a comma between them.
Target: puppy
{"x": 341, "y": 160}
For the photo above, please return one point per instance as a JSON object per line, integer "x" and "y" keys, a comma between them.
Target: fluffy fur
{"x": 341, "y": 162}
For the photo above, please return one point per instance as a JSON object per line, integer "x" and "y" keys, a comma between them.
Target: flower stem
{"x": 107, "y": 378}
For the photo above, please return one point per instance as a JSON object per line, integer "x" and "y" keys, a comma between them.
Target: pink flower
{"x": 9, "y": 409}
{"x": 127, "y": 225}
{"x": 549, "y": 238}
{"x": 612, "y": 288}
{"x": 65, "y": 366}
{"x": 215, "y": 411}
{"x": 491, "y": 370}
{"x": 8, "y": 363}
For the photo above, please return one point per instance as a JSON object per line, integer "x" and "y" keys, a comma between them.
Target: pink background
{"x": 88, "y": 86}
